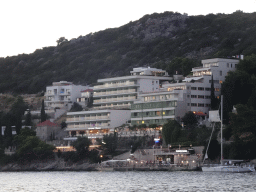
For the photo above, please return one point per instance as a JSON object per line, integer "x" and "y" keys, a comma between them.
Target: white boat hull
{"x": 230, "y": 169}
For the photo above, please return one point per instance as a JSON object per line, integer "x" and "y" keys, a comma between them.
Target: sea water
{"x": 125, "y": 181}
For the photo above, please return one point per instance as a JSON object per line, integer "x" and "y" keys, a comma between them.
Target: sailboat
{"x": 232, "y": 166}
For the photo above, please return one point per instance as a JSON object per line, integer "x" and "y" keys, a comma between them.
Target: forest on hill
{"x": 171, "y": 41}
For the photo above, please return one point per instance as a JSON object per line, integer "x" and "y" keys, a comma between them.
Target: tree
{"x": 90, "y": 102}
{"x": 110, "y": 142}
{"x": 81, "y": 145}
{"x": 242, "y": 127}
{"x": 43, "y": 114}
{"x": 8, "y": 130}
{"x": 181, "y": 65}
{"x": 28, "y": 120}
{"x": 63, "y": 124}
{"x": 30, "y": 147}
{"x": 33, "y": 148}
{"x": 76, "y": 107}
{"x": 190, "y": 120}
{"x": 17, "y": 112}
{"x": 171, "y": 131}
{"x": 214, "y": 150}
{"x": 61, "y": 40}
{"x": 236, "y": 82}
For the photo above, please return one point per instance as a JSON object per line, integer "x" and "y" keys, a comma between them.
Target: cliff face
{"x": 165, "y": 26}
{"x": 154, "y": 40}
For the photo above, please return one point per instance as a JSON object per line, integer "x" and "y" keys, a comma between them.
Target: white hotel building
{"x": 62, "y": 93}
{"x": 173, "y": 100}
{"x": 112, "y": 102}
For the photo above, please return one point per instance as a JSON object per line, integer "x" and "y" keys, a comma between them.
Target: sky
{"x": 27, "y": 25}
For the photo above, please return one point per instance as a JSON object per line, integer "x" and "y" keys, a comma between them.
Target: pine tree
{"x": 28, "y": 121}
{"x": 43, "y": 115}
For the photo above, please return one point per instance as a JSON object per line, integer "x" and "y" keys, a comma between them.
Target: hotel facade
{"x": 112, "y": 100}
{"x": 174, "y": 100}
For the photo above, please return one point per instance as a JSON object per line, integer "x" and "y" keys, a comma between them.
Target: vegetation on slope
{"x": 154, "y": 40}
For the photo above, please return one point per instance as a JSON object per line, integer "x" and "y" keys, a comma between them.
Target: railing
{"x": 114, "y": 85}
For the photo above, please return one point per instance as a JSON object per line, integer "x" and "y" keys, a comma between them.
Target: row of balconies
{"x": 113, "y": 106}
{"x": 114, "y": 99}
{"x": 57, "y": 93}
{"x": 72, "y": 126}
{"x": 114, "y": 85}
{"x": 114, "y": 92}
{"x": 87, "y": 118}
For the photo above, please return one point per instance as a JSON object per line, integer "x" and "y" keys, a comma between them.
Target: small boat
{"x": 231, "y": 166}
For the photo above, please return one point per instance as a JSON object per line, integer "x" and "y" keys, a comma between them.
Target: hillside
{"x": 154, "y": 40}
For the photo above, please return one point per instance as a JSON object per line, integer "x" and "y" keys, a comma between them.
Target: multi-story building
{"x": 173, "y": 100}
{"x": 120, "y": 92}
{"x": 86, "y": 96}
{"x": 60, "y": 94}
{"x": 154, "y": 108}
{"x": 112, "y": 102}
{"x": 95, "y": 124}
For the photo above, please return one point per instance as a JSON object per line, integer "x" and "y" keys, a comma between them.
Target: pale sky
{"x": 27, "y": 25}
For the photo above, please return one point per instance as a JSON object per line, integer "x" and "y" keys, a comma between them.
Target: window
{"x": 207, "y": 89}
{"x": 235, "y": 65}
{"x": 188, "y": 88}
{"x": 217, "y": 89}
{"x": 135, "y": 114}
{"x": 231, "y": 65}
{"x": 152, "y": 82}
{"x": 221, "y": 82}
{"x": 207, "y": 97}
{"x": 193, "y": 88}
{"x": 158, "y": 113}
{"x": 220, "y": 73}
{"x": 193, "y": 96}
{"x": 227, "y": 65}
{"x": 188, "y": 96}
{"x": 188, "y": 104}
{"x": 193, "y": 104}
{"x": 200, "y": 96}
{"x": 207, "y": 105}
{"x": 200, "y": 88}
{"x": 200, "y": 105}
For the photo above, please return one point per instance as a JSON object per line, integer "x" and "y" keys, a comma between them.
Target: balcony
{"x": 97, "y": 94}
{"x": 114, "y": 85}
{"x": 109, "y": 100}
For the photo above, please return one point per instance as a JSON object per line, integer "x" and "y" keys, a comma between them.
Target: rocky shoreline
{"x": 53, "y": 165}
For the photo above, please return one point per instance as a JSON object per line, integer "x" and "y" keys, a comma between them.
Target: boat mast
{"x": 221, "y": 140}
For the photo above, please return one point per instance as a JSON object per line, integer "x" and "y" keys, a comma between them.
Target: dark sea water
{"x": 126, "y": 181}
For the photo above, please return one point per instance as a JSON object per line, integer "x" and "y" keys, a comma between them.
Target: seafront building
{"x": 174, "y": 100}
{"x": 112, "y": 100}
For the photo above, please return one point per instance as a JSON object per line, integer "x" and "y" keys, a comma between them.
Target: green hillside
{"x": 154, "y": 40}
